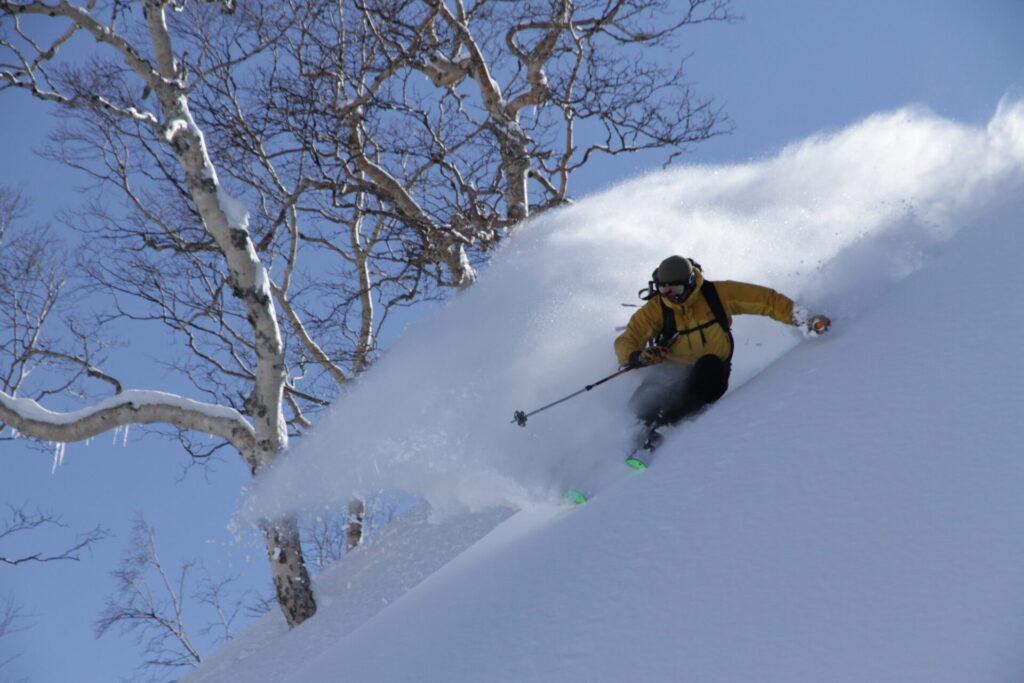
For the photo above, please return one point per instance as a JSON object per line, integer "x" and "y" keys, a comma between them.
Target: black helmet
{"x": 675, "y": 279}
{"x": 674, "y": 269}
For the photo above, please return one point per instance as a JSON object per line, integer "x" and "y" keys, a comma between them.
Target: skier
{"x": 685, "y": 330}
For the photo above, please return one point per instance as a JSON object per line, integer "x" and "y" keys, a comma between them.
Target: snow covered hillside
{"x": 851, "y": 510}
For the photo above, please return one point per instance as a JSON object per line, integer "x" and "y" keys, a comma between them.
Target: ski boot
{"x": 642, "y": 455}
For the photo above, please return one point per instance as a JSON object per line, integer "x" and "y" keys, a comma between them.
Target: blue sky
{"x": 789, "y": 69}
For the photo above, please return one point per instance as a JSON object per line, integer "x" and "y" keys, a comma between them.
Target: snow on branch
{"x": 129, "y": 407}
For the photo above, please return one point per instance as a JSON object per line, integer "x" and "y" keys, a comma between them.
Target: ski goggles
{"x": 677, "y": 289}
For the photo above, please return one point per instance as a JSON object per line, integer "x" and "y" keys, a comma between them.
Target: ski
{"x": 639, "y": 459}
{"x": 636, "y": 463}
{"x": 575, "y": 496}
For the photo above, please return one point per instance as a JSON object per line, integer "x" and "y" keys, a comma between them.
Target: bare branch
{"x": 314, "y": 349}
{"x": 20, "y": 522}
{"x": 149, "y": 602}
{"x": 11, "y": 617}
{"x": 90, "y": 370}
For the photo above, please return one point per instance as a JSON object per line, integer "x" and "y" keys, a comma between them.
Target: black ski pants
{"x": 672, "y": 391}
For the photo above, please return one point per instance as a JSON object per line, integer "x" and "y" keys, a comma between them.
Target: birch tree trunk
{"x": 504, "y": 115}
{"x": 226, "y": 220}
{"x": 377, "y": 187}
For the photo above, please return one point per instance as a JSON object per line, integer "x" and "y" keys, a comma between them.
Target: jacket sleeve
{"x": 741, "y": 298}
{"x": 642, "y": 326}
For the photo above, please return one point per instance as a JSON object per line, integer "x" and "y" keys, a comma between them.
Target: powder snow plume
{"x": 832, "y": 221}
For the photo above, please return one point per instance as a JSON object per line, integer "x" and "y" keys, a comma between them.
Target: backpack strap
{"x": 668, "y": 326}
{"x": 715, "y": 303}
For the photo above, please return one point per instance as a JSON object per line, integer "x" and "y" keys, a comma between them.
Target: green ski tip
{"x": 575, "y": 496}
{"x": 636, "y": 464}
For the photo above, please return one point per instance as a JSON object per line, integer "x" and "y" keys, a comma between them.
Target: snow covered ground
{"x": 851, "y": 510}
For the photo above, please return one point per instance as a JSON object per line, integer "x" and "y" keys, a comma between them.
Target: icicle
{"x": 124, "y": 442}
{"x": 59, "y": 449}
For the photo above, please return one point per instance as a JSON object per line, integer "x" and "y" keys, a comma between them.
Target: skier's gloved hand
{"x": 818, "y": 324}
{"x": 654, "y": 354}
{"x": 810, "y": 324}
{"x": 644, "y": 357}
{"x": 634, "y": 361}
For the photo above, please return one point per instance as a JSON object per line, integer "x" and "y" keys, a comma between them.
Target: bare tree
{"x": 354, "y": 525}
{"x": 21, "y": 522}
{"x": 388, "y": 146}
{"x": 331, "y": 534}
{"x": 19, "y": 525}
{"x": 376, "y": 151}
{"x": 39, "y": 334}
{"x": 150, "y": 602}
{"x": 548, "y": 83}
{"x": 11, "y": 616}
{"x": 326, "y": 539}
{"x": 335, "y": 531}
{"x": 260, "y": 435}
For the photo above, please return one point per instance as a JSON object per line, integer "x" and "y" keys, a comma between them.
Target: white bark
{"x": 504, "y": 114}
{"x": 451, "y": 251}
{"x": 250, "y": 285}
{"x": 127, "y": 408}
{"x": 515, "y": 159}
{"x": 227, "y": 224}
{"x": 354, "y": 532}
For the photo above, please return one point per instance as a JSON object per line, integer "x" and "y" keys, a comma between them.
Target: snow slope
{"x": 850, "y": 511}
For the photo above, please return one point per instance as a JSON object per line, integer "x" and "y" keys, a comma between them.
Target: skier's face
{"x": 676, "y": 292}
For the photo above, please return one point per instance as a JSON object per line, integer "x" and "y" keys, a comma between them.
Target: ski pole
{"x": 519, "y": 417}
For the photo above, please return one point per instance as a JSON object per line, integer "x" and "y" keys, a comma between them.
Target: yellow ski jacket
{"x": 698, "y": 338}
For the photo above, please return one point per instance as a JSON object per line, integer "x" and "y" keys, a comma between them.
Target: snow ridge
{"x": 873, "y": 473}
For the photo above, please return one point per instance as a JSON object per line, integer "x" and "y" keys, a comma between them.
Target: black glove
{"x": 644, "y": 357}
